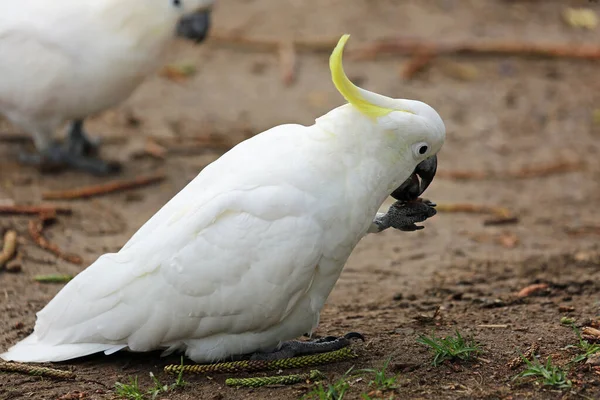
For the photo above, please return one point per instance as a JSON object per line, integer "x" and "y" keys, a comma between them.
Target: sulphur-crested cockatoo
{"x": 63, "y": 60}
{"x": 242, "y": 260}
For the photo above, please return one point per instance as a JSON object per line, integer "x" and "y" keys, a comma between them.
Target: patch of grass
{"x": 588, "y": 349}
{"x": 450, "y": 347}
{"x": 129, "y": 391}
{"x": 547, "y": 375}
{"x": 335, "y": 391}
{"x": 132, "y": 390}
{"x": 380, "y": 380}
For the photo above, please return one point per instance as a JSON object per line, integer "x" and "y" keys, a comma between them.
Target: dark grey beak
{"x": 411, "y": 189}
{"x": 194, "y": 26}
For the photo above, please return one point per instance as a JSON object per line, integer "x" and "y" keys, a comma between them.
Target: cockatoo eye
{"x": 420, "y": 149}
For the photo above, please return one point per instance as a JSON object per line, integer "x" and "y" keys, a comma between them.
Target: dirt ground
{"x": 504, "y": 115}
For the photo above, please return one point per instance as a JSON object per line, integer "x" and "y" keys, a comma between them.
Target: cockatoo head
{"x": 418, "y": 127}
{"x": 194, "y": 18}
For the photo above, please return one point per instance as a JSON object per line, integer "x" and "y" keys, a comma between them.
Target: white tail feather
{"x": 30, "y": 350}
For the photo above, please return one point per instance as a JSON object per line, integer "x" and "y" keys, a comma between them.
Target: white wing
{"x": 241, "y": 267}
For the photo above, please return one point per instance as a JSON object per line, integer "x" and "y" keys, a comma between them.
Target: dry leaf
{"x": 583, "y": 18}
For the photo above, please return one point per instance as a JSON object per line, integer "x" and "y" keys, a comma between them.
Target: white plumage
{"x": 245, "y": 256}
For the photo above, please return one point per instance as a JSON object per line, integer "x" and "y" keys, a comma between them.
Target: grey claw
{"x": 411, "y": 228}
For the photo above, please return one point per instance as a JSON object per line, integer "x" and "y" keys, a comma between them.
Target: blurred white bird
{"x": 63, "y": 60}
{"x": 242, "y": 260}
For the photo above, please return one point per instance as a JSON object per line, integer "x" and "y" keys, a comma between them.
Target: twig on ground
{"x": 313, "y": 375}
{"x": 287, "y": 62}
{"x": 22, "y": 137}
{"x": 493, "y": 326}
{"x": 583, "y": 230}
{"x": 33, "y": 210}
{"x": 102, "y": 189}
{"x": 405, "y": 46}
{"x": 9, "y": 247}
{"x": 343, "y": 354}
{"x": 37, "y": 371}
{"x": 531, "y": 289}
{"x": 53, "y": 278}
{"x": 502, "y": 215}
{"x": 416, "y": 64}
{"x": 410, "y": 46}
{"x": 272, "y": 45}
{"x": 539, "y": 171}
{"x": 36, "y": 228}
{"x": 155, "y": 150}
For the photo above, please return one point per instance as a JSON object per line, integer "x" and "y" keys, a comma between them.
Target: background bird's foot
{"x": 295, "y": 348}
{"x": 56, "y": 158}
{"x": 79, "y": 142}
{"x": 404, "y": 215}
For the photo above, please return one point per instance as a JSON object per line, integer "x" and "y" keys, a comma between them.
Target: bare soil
{"x": 503, "y": 114}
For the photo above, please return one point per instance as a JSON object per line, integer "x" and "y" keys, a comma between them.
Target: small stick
{"x": 20, "y": 137}
{"x": 259, "y": 381}
{"x": 343, "y": 354}
{"x": 502, "y": 215}
{"x": 287, "y": 62}
{"x": 155, "y": 150}
{"x": 36, "y": 228}
{"x": 540, "y": 171}
{"x": 97, "y": 190}
{"x": 33, "y": 210}
{"x": 410, "y": 46}
{"x": 417, "y": 64}
{"x": 531, "y": 289}
{"x": 583, "y": 230}
{"x": 15, "y": 265}
{"x": 37, "y": 371}
{"x": 14, "y": 137}
{"x": 9, "y": 248}
{"x": 493, "y": 326}
{"x": 272, "y": 45}
{"x": 53, "y": 278}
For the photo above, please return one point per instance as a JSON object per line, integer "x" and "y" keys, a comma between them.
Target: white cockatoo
{"x": 242, "y": 260}
{"x": 63, "y": 60}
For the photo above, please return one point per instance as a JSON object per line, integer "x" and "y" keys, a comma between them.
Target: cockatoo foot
{"x": 56, "y": 158}
{"x": 295, "y": 348}
{"x": 79, "y": 142}
{"x": 403, "y": 215}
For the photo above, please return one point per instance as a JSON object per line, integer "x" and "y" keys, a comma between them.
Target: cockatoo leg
{"x": 295, "y": 348}
{"x": 78, "y": 142}
{"x": 55, "y": 157}
{"x": 404, "y": 215}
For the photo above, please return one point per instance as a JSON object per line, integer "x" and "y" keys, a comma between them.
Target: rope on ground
{"x": 263, "y": 365}
{"x": 255, "y": 382}
{"x": 37, "y": 371}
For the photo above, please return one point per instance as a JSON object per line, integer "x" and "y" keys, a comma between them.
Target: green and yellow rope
{"x": 37, "y": 371}
{"x": 255, "y": 382}
{"x": 263, "y": 365}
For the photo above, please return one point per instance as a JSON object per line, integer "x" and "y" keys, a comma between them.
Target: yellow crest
{"x": 352, "y": 93}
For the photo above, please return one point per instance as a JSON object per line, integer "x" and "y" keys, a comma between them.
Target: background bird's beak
{"x": 194, "y": 26}
{"x": 412, "y": 188}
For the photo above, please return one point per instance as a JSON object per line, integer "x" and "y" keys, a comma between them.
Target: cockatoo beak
{"x": 195, "y": 26}
{"x": 412, "y": 188}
